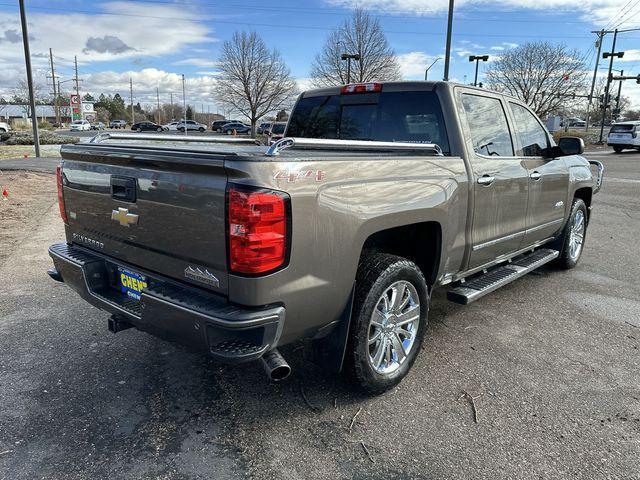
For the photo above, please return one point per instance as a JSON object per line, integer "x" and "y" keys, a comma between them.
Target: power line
{"x": 615, "y": 15}
{"x": 299, "y": 27}
{"x": 627, "y": 13}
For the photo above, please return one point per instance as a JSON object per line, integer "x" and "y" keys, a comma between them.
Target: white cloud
{"x": 198, "y": 89}
{"x": 630, "y": 55}
{"x": 413, "y": 64}
{"x": 197, "y": 62}
{"x": 497, "y": 48}
{"x": 596, "y": 11}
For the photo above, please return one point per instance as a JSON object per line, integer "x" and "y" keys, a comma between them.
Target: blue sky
{"x": 155, "y": 41}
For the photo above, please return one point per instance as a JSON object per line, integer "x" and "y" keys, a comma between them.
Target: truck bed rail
{"x": 332, "y": 144}
{"x": 101, "y": 137}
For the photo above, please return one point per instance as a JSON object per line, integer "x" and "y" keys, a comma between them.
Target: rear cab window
{"x": 405, "y": 116}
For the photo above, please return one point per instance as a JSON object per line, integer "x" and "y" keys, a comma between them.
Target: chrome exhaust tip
{"x": 275, "y": 365}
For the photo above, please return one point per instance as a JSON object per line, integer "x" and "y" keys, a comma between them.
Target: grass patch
{"x": 19, "y": 151}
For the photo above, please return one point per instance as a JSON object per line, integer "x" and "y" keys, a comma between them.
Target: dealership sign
{"x": 76, "y": 107}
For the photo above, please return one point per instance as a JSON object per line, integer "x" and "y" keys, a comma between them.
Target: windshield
{"x": 392, "y": 117}
{"x": 77, "y": 122}
{"x": 278, "y": 129}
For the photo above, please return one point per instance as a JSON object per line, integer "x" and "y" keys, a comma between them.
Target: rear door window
{"x": 531, "y": 135}
{"x": 388, "y": 116}
{"x": 488, "y": 125}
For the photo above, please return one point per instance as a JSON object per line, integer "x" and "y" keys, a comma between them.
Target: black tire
{"x": 201, "y": 129}
{"x": 139, "y": 130}
{"x": 376, "y": 274}
{"x": 566, "y": 259}
{"x": 159, "y": 129}
{"x": 181, "y": 129}
{"x": 228, "y": 132}
{"x": 617, "y": 149}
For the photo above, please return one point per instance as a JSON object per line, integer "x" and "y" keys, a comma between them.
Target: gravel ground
{"x": 552, "y": 361}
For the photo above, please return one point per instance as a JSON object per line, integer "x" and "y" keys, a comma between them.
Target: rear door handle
{"x": 535, "y": 176}
{"x": 486, "y": 180}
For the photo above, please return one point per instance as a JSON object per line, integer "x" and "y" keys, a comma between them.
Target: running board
{"x": 479, "y": 286}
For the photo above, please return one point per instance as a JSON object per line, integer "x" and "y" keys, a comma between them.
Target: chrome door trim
{"x": 480, "y": 246}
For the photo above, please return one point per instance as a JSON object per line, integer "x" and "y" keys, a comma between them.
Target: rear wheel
{"x": 159, "y": 129}
{"x": 571, "y": 241}
{"x": 229, "y": 132}
{"x": 201, "y": 129}
{"x": 388, "y": 323}
{"x": 617, "y": 149}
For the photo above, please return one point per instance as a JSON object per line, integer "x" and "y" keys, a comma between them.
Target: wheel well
{"x": 585, "y": 194}
{"x": 418, "y": 242}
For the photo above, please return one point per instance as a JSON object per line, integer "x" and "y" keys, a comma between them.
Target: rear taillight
{"x": 63, "y": 213}
{"x": 362, "y": 88}
{"x": 258, "y": 226}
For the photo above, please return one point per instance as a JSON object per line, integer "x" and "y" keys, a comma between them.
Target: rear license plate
{"x": 131, "y": 283}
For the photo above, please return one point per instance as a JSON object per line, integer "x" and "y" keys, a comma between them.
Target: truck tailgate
{"x": 160, "y": 211}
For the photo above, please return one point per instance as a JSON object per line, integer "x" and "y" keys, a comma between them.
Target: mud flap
{"x": 328, "y": 351}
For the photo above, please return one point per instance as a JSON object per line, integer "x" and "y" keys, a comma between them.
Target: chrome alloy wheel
{"x": 576, "y": 235}
{"x": 393, "y": 327}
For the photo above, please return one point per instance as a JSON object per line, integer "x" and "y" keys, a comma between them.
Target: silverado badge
{"x": 203, "y": 276}
{"x": 123, "y": 217}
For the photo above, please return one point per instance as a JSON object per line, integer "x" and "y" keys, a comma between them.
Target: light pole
{"x": 27, "y": 61}
{"x": 617, "y": 109}
{"x": 184, "y": 107}
{"x": 447, "y": 53}
{"x": 348, "y": 57}
{"x": 477, "y": 59}
{"x": 426, "y": 72}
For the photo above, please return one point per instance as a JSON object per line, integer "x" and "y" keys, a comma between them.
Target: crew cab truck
{"x": 336, "y": 234}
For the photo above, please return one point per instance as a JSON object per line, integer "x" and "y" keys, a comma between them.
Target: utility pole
{"x": 27, "y": 61}
{"x": 606, "y": 90}
{"x": 75, "y": 60}
{"x": 158, "y": 103}
{"x": 55, "y": 92}
{"x": 601, "y": 35}
{"x": 447, "y": 54}
{"x": 133, "y": 114}
{"x": 59, "y": 94}
{"x": 184, "y": 106}
{"x": 172, "y": 115}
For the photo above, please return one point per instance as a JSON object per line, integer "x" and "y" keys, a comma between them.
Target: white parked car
{"x": 80, "y": 125}
{"x": 4, "y": 127}
{"x": 624, "y": 135}
{"x": 172, "y": 126}
{"x": 190, "y": 125}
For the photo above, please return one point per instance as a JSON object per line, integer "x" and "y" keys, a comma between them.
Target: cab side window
{"x": 488, "y": 125}
{"x": 532, "y": 136}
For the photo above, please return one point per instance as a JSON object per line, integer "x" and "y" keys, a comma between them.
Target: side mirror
{"x": 571, "y": 145}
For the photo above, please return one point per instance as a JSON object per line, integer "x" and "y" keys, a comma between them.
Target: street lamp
{"x": 348, "y": 57}
{"x": 477, "y": 58}
{"x": 426, "y": 72}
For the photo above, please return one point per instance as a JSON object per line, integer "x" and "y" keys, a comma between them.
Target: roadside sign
{"x": 75, "y": 99}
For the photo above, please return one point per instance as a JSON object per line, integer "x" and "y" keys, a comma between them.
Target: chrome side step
{"x": 492, "y": 280}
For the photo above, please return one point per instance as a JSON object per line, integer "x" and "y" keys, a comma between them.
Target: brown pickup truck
{"x": 336, "y": 234}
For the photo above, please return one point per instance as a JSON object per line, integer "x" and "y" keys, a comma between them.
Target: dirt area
{"x": 30, "y": 195}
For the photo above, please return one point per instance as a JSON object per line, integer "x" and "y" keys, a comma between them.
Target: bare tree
{"x": 361, "y": 35}
{"x": 539, "y": 73}
{"x": 21, "y": 95}
{"x": 253, "y": 79}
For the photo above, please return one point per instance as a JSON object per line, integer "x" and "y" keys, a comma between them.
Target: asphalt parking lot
{"x": 551, "y": 360}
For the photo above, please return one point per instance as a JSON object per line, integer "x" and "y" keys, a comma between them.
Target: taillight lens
{"x": 362, "y": 88}
{"x": 63, "y": 213}
{"x": 258, "y": 230}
